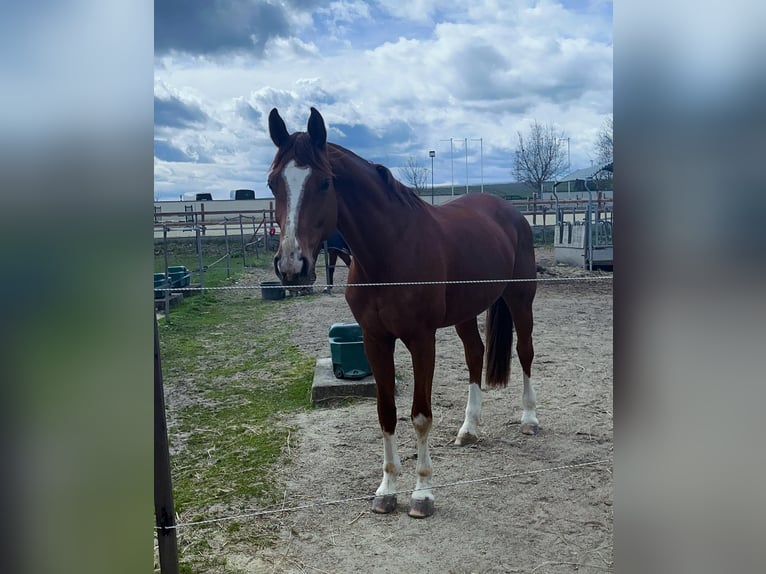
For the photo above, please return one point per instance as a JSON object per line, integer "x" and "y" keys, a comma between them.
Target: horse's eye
{"x": 325, "y": 185}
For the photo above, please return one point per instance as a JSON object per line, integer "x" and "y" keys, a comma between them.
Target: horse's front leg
{"x": 380, "y": 354}
{"x": 423, "y": 351}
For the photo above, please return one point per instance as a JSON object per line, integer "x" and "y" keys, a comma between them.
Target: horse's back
{"x": 483, "y": 219}
{"x": 488, "y": 205}
{"x": 481, "y": 238}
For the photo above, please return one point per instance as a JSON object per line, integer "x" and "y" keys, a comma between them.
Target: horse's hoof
{"x": 530, "y": 428}
{"x": 384, "y": 504}
{"x": 466, "y": 439}
{"x": 421, "y": 508}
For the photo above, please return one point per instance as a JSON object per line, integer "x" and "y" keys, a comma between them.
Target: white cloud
{"x": 346, "y": 12}
{"x": 414, "y": 10}
{"x": 484, "y": 73}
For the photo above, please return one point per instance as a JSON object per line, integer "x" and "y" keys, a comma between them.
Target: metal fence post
{"x": 242, "y": 239}
{"x": 166, "y": 283}
{"x": 199, "y": 259}
{"x": 226, "y": 237}
{"x": 164, "y": 510}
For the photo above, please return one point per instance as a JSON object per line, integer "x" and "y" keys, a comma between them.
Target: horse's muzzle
{"x": 303, "y": 277}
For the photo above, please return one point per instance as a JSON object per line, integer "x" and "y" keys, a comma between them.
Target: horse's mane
{"x": 306, "y": 153}
{"x": 400, "y": 191}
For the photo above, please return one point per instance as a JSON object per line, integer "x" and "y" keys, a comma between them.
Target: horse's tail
{"x": 499, "y": 338}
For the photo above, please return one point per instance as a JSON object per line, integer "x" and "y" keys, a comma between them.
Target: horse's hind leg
{"x": 474, "y": 357}
{"x": 519, "y": 301}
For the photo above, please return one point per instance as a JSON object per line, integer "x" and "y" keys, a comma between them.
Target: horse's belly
{"x": 401, "y": 310}
{"x": 469, "y": 301}
{"x": 398, "y": 310}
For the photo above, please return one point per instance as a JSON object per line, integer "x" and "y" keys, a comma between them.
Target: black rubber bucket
{"x": 272, "y": 290}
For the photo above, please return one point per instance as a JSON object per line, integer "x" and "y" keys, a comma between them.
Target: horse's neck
{"x": 372, "y": 220}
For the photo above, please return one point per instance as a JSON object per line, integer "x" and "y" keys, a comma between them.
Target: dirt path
{"x": 555, "y": 521}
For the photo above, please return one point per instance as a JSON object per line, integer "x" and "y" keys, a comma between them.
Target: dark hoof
{"x": 384, "y": 504}
{"x": 530, "y": 428}
{"x": 421, "y": 508}
{"x": 466, "y": 439}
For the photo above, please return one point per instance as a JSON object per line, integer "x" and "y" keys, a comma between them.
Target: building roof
{"x": 517, "y": 189}
{"x": 510, "y": 190}
{"x": 587, "y": 172}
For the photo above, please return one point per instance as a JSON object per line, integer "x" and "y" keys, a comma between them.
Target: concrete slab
{"x": 175, "y": 299}
{"x": 327, "y": 390}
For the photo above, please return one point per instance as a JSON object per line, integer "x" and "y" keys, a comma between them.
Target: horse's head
{"x": 305, "y": 203}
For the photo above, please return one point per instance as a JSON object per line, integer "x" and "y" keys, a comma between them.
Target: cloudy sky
{"x": 392, "y": 78}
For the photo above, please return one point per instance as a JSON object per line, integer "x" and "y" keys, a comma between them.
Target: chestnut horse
{"x": 455, "y": 260}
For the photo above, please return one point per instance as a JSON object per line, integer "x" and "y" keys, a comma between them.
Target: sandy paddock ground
{"x": 551, "y": 521}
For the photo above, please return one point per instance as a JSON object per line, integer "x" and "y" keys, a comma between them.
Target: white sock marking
{"x": 391, "y": 466}
{"x": 472, "y": 412}
{"x": 424, "y": 468}
{"x": 528, "y": 402}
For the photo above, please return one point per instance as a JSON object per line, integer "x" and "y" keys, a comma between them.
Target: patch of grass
{"x": 230, "y": 381}
{"x": 240, "y": 390}
{"x": 184, "y": 252}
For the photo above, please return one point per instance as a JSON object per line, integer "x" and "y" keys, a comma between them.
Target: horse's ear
{"x": 277, "y": 128}
{"x": 316, "y": 129}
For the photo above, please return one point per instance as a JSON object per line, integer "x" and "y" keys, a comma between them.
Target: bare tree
{"x": 415, "y": 175}
{"x": 605, "y": 142}
{"x": 541, "y": 156}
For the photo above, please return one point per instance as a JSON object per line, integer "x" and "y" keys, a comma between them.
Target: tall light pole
{"x": 432, "y": 154}
{"x": 465, "y": 142}
{"x": 451, "y": 165}
{"x": 452, "y": 168}
{"x": 481, "y": 156}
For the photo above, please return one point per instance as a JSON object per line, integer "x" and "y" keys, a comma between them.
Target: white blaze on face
{"x": 291, "y": 262}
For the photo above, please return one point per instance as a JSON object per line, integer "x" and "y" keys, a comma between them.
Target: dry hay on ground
{"x": 557, "y": 521}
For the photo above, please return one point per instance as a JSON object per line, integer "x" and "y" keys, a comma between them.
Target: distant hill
{"x": 513, "y": 190}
